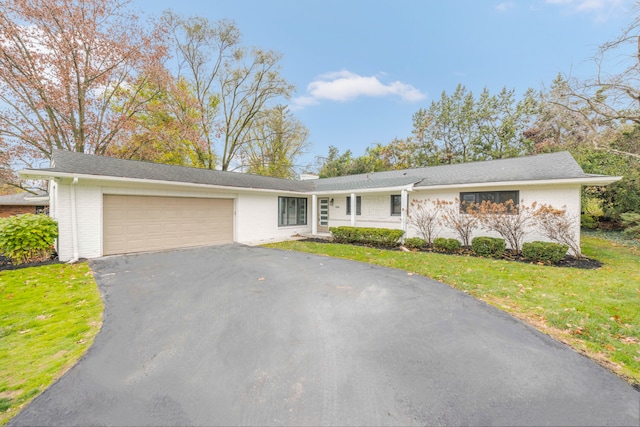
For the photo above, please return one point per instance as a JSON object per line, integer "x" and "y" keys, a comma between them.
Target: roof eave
{"x": 596, "y": 180}
{"x": 35, "y": 174}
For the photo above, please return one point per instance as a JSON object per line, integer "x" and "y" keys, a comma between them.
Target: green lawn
{"x": 49, "y": 317}
{"x": 595, "y": 311}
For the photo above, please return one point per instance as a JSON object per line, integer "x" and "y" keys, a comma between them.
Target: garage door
{"x": 144, "y": 223}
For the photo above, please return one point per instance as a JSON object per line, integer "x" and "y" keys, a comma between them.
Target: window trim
{"x": 496, "y": 196}
{"x": 399, "y": 196}
{"x": 300, "y": 208}
{"x": 358, "y": 205}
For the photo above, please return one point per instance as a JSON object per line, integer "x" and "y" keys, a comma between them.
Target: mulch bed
{"x": 6, "y": 264}
{"x": 568, "y": 261}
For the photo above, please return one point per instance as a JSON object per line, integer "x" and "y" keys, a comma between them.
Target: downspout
{"x": 404, "y": 203}
{"x": 353, "y": 209}
{"x": 314, "y": 215}
{"x": 74, "y": 221}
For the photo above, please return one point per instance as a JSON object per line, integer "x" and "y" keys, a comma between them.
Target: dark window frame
{"x": 301, "y": 211}
{"x": 399, "y": 205}
{"x": 358, "y": 205}
{"x": 478, "y": 197}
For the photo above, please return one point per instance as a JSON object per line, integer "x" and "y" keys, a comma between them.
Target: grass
{"x": 594, "y": 311}
{"x": 49, "y": 316}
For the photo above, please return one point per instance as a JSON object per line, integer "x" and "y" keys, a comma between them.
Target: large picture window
{"x": 478, "y": 197}
{"x": 292, "y": 211}
{"x": 358, "y": 205}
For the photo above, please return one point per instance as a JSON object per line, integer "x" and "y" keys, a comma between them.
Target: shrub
{"x": 424, "y": 216}
{"x": 631, "y": 222}
{"x": 547, "y": 252}
{"x": 463, "y": 223}
{"x": 491, "y": 247}
{"x": 558, "y": 225}
{"x": 587, "y": 221}
{"x": 381, "y": 237}
{"x": 415, "y": 243}
{"x": 508, "y": 219}
{"x": 449, "y": 246}
{"x": 28, "y": 238}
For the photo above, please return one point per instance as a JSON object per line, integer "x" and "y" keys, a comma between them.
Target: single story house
{"x": 22, "y": 203}
{"x": 107, "y": 206}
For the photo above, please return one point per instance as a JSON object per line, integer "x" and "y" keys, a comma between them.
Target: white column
{"x": 404, "y": 203}
{"x": 314, "y": 215}
{"x": 353, "y": 209}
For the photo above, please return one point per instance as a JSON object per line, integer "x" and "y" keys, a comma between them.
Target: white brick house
{"x": 108, "y": 206}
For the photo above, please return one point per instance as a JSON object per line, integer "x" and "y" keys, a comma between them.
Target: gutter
{"x": 74, "y": 221}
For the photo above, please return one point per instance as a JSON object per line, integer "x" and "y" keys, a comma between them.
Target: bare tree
{"x": 509, "y": 220}
{"x": 424, "y": 216}
{"x": 232, "y": 84}
{"x": 62, "y": 66}
{"x": 459, "y": 217}
{"x": 559, "y": 226}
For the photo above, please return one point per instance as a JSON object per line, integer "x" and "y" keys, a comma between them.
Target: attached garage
{"x": 151, "y": 223}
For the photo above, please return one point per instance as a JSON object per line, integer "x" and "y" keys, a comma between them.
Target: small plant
{"x": 547, "y": 252}
{"x": 587, "y": 221}
{"x": 450, "y": 246}
{"x": 28, "y": 238}
{"x": 631, "y": 222}
{"x": 462, "y": 222}
{"x": 380, "y": 237}
{"x": 558, "y": 226}
{"x": 415, "y": 243}
{"x": 424, "y": 218}
{"x": 490, "y": 247}
{"x": 508, "y": 219}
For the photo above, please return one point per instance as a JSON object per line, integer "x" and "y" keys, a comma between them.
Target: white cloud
{"x": 602, "y": 9}
{"x": 346, "y": 86}
{"x": 503, "y": 7}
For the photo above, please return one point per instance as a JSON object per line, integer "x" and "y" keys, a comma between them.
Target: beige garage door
{"x": 144, "y": 223}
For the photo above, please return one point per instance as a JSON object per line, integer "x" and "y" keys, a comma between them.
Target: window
{"x": 292, "y": 211}
{"x": 489, "y": 196}
{"x": 396, "y": 204}
{"x": 358, "y": 205}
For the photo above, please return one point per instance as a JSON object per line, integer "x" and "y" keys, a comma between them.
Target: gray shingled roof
{"x": 535, "y": 168}
{"x": 79, "y": 163}
{"x": 24, "y": 199}
{"x": 531, "y": 168}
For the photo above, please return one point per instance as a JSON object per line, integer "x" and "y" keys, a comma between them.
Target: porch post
{"x": 353, "y": 209}
{"x": 314, "y": 215}
{"x": 404, "y": 203}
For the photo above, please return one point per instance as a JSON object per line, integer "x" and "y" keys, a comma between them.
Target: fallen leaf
{"x": 261, "y": 278}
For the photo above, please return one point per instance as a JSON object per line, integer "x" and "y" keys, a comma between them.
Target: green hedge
{"x": 490, "y": 247}
{"x": 450, "y": 246}
{"x": 28, "y": 238}
{"x": 382, "y": 237}
{"x": 415, "y": 243}
{"x": 546, "y": 252}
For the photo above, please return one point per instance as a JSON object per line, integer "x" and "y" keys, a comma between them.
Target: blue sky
{"x": 362, "y": 68}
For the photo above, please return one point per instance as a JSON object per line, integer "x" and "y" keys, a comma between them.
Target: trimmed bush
{"x": 631, "y": 222}
{"x": 490, "y": 247}
{"x": 28, "y": 238}
{"x": 449, "y": 246}
{"x": 380, "y": 237}
{"x": 546, "y": 252}
{"x": 415, "y": 243}
{"x": 587, "y": 221}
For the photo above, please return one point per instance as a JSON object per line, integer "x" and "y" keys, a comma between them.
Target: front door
{"x": 323, "y": 215}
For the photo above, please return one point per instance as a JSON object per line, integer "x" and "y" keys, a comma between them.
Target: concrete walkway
{"x": 235, "y": 335}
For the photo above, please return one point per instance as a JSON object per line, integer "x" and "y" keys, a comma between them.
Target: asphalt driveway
{"x": 234, "y": 335}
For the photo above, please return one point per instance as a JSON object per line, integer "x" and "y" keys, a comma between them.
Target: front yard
{"x": 49, "y": 316}
{"x": 594, "y": 311}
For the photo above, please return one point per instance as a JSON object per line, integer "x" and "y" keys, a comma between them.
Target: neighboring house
{"x": 21, "y": 203}
{"x": 108, "y": 206}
